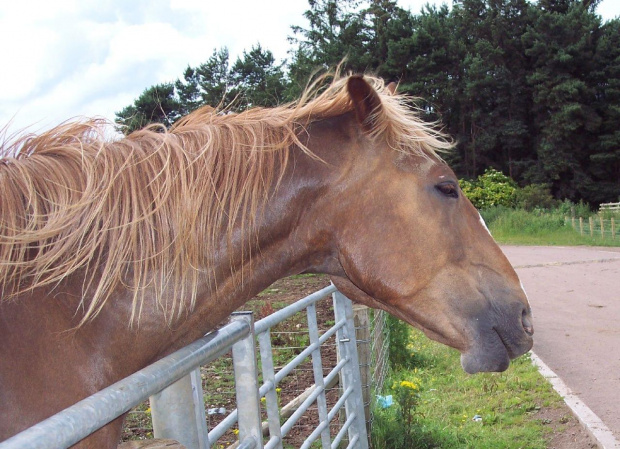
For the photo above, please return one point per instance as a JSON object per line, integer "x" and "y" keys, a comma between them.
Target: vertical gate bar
{"x": 317, "y": 367}
{"x": 246, "y": 383}
{"x": 178, "y": 412}
{"x": 354, "y": 404}
{"x": 361, "y": 321}
{"x": 271, "y": 397}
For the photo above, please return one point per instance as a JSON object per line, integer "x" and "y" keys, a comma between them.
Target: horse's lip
{"x": 516, "y": 350}
{"x": 494, "y": 353}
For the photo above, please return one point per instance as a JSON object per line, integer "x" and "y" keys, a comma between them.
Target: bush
{"x": 490, "y": 189}
{"x": 399, "y": 355}
{"x": 535, "y": 196}
{"x": 570, "y": 209}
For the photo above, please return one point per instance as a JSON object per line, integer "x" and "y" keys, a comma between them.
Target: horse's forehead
{"x": 428, "y": 165}
{"x": 423, "y": 165}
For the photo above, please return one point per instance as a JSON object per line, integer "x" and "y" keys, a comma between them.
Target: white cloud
{"x": 66, "y": 58}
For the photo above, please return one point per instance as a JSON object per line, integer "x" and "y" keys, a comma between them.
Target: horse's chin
{"x": 476, "y": 361}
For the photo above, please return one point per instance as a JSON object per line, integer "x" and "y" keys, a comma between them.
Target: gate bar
{"x": 75, "y": 423}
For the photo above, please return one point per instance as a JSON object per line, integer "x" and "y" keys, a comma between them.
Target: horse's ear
{"x": 366, "y": 101}
{"x": 391, "y": 88}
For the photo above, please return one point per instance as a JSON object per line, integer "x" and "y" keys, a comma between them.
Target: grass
{"x": 507, "y": 404}
{"x": 520, "y": 227}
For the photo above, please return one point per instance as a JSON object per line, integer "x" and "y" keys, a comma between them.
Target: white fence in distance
{"x": 605, "y": 228}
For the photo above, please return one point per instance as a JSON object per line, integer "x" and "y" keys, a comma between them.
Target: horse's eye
{"x": 448, "y": 189}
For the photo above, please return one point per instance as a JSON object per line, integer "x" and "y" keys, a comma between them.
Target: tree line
{"x": 529, "y": 89}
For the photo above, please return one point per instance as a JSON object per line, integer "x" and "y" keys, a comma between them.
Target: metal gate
{"x": 175, "y": 390}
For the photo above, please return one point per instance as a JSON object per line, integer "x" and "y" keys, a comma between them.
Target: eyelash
{"x": 448, "y": 189}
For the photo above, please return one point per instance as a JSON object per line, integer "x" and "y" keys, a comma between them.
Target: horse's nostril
{"x": 526, "y": 319}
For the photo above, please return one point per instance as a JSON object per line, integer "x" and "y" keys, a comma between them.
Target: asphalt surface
{"x": 575, "y": 297}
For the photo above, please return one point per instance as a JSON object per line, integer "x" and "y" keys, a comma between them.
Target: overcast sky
{"x": 69, "y": 58}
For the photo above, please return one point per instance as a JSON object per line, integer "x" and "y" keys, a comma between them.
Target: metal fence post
{"x": 354, "y": 404}
{"x": 246, "y": 384}
{"x": 361, "y": 321}
{"x": 178, "y": 412}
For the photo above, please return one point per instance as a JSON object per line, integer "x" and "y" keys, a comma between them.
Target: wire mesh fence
{"x": 372, "y": 334}
{"x": 596, "y": 226}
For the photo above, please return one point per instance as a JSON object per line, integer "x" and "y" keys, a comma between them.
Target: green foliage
{"x": 399, "y": 356}
{"x": 407, "y": 395}
{"x": 253, "y": 80}
{"x": 519, "y": 221}
{"x": 535, "y": 196}
{"x": 157, "y": 104}
{"x": 569, "y": 209}
{"x": 490, "y": 189}
{"x": 258, "y": 79}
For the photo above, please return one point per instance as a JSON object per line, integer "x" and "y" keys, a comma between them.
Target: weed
{"x": 456, "y": 410}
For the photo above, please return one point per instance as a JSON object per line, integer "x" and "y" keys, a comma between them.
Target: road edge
{"x": 591, "y": 422}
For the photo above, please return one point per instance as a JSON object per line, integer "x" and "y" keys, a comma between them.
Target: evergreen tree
{"x": 257, "y": 78}
{"x": 157, "y": 104}
{"x": 208, "y": 84}
{"x": 561, "y": 44}
{"x": 605, "y": 155}
{"x": 336, "y": 30}
{"x": 494, "y": 121}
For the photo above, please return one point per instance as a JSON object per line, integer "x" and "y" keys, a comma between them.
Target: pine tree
{"x": 157, "y": 104}
{"x": 257, "y": 78}
{"x": 605, "y": 155}
{"x": 561, "y": 45}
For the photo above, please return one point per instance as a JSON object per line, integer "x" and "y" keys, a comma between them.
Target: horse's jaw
{"x": 487, "y": 340}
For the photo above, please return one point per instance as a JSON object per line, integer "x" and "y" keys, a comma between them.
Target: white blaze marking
{"x": 524, "y": 292}
{"x": 484, "y": 224}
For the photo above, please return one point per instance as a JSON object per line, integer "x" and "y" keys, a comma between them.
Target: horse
{"x": 116, "y": 252}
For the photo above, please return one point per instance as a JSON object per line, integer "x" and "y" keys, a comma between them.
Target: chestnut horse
{"x": 116, "y": 253}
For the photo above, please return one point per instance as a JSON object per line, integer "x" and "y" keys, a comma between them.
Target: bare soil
{"x": 565, "y": 431}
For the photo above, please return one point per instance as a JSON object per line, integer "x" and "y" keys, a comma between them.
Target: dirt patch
{"x": 565, "y": 431}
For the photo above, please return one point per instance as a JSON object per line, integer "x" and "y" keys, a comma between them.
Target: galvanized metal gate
{"x": 175, "y": 390}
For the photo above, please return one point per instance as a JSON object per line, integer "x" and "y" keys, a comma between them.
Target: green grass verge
{"x": 448, "y": 399}
{"x": 520, "y": 227}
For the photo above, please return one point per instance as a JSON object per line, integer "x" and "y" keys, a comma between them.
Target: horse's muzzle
{"x": 494, "y": 345}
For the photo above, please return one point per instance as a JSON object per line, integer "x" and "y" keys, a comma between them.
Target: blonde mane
{"x": 147, "y": 211}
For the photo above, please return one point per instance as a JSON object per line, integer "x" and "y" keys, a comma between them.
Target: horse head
{"x": 409, "y": 242}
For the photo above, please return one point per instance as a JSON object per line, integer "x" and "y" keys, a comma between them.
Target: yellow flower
{"x": 262, "y": 399}
{"x": 236, "y": 431}
{"x": 407, "y": 384}
{"x": 278, "y": 390}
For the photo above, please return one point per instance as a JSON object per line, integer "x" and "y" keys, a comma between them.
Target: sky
{"x": 65, "y": 59}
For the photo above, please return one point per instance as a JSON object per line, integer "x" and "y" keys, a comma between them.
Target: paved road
{"x": 575, "y": 298}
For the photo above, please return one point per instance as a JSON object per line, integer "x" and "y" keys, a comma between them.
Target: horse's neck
{"x": 290, "y": 238}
